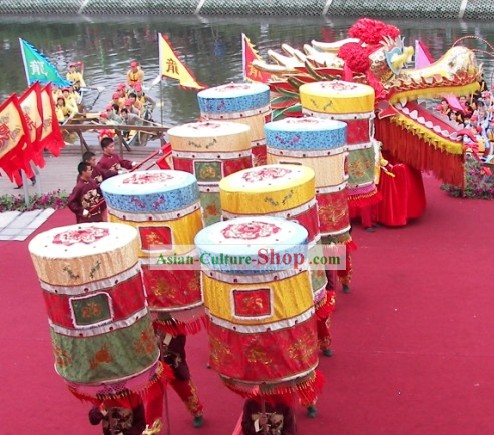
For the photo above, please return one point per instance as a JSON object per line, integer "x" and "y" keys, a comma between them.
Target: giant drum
{"x": 286, "y": 191}
{"x": 163, "y": 205}
{"x": 101, "y": 329}
{"x": 211, "y": 150}
{"x": 321, "y": 145}
{"x": 352, "y": 103}
{"x": 258, "y": 298}
{"x": 246, "y": 103}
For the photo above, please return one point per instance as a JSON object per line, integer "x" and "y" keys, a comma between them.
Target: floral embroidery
{"x": 198, "y": 145}
{"x": 259, "y": 159}
{"x": 102, "y": 356}
{"x": 258, "y": 355}
{"x": 233, "y": 87}
{"x": 302, "y": 350}
{"x": 265, "y": 174}
{"x": 71, "y": 274}
{"x": 94, "y": 269}
{"x": 338, "y": 85}
{"x": 282, "y": 202}
{"x": 91, "y": 310}
{"x": 62, "y": 357}
{"x": 333, "y": 213}
{"x": 147, "y": 178}
{"x": 219, "y": 353}
{"x": 87, "y": 236}
{"x": 250, "y": 231}
{"x": 161, "y": 287}
{"x": 146, "y": 344}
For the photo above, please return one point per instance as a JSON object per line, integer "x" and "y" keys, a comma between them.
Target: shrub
{"x": 56, "y": 200}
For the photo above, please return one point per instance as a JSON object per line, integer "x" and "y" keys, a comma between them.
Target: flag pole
{"x": 160, "y": 74}
{"x": 244, "y": 76}
{"x": 24, "y": 60}
{"x": 161, "y": 102}
{"x": 23, "y": 174}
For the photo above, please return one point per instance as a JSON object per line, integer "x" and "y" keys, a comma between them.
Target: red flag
{"x": 51, "y": 136}
{"x": 30, "y": 103}
{"x": 165, "y": 161}
{"x": 249, "y": 54}
{"x": 14, "y": 138}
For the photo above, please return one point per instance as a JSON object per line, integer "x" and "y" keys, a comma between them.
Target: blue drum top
{"x": 307, "y": 133}
{"x": 150, "y": 191}
{"x": 234, "y": 97}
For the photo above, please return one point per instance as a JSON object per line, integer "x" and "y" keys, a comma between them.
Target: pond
{"x": 210, "y": 47}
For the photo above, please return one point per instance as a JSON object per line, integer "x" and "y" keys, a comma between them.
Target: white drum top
{"x": 82, "y": 240}
{"x": 308, "y": 123}
{"x": 146, "y": 182}
{"x": 208, "y": 129}
{"x": 247, "y": 235}
{"x": 268, "y": 177}
{"x": 232, "y": 90}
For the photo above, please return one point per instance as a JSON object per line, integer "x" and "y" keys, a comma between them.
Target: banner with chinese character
{"x": 38, "y": 68}
{"x": 30, "y": 103}
{"x": 172, "y": 67}
{"x": 249, "y": 54}
{"x": 14, "y": 138}
{"x": 51, "y": 136}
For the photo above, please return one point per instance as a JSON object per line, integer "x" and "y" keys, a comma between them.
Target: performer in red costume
{"x": 111, "y": 161}
{"x": 173, "y": 354}
{"x": 277, "y": 417}
{"x": 97, "y": 174}
{"x": 85, "y": 196}
{"x": 120, "y": 416}
{"x": 402, "y": 191}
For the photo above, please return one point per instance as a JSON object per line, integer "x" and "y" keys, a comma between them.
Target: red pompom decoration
{"x": 372, "y": 31}
{"x": 355, "y": 56}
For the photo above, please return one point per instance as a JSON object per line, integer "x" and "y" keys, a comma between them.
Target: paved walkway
{"x": 15, "y": 225}
{"x": 61, "y": 172}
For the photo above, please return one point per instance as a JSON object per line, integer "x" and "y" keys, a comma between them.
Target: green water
{"x": 211, "y": 48}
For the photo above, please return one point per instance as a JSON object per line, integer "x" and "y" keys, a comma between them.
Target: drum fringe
{"x": 174, "y": 327}
{"x": 163, "y": 374}
{"x": 307, "y": 389}
{"x": 361, "y": 200}
{"x": 326, "y": 305}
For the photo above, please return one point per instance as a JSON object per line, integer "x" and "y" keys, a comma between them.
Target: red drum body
{"x": 101, "y": 328}
{"x": 262, "y": 326}
{"x": 245, "y": 103}
{"x": 352, "y": 103}
{"x": 286, "y": 191}
{"x": 321, "y": 145}
{"x": 164, "y": 208}
{"x": 211, "y": 150}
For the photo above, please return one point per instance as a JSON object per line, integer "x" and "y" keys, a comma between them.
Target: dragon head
{"x": 379, "y": 53}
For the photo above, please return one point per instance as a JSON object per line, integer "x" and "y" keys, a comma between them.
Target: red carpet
{"x": 414, "y": 348}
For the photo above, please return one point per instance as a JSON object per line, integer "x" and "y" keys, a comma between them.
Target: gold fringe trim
{"x": 428, "y": 136}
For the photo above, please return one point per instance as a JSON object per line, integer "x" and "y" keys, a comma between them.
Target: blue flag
{"x": 38, "y": 68}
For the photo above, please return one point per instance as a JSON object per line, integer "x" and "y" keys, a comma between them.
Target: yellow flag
{"x": 172, "y": 67}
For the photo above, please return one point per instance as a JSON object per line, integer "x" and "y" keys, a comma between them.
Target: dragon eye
{"x": 396, "y": 51}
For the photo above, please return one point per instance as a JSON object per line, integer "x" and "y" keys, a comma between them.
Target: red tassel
{"x": 307, "y": 389}
{"x": 163, "y": 374}
{"x": 364, "y": 200}
{"x": 419, "y": 154}
{"x": 175, "y": 328}
{"x": 326, "y": 306}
